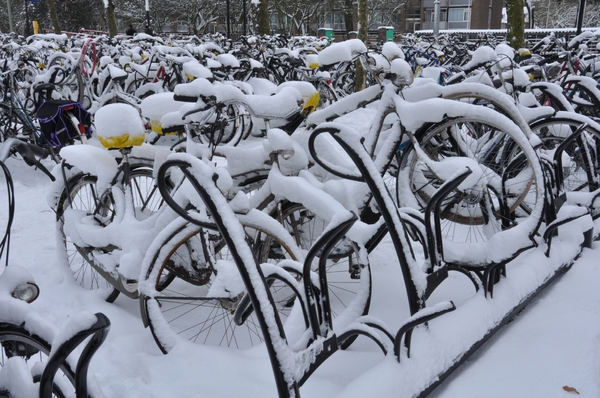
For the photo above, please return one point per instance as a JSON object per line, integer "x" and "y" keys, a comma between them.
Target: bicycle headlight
{"x": 26, "y": 291}
{"x": 286, "y": 154}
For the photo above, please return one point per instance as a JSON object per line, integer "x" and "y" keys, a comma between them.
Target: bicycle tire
{"x": 146, "y": 197}
{"x": 346, "y": 286}
{"x": 345, "y": 82}
{"x": 185, "y": 309}
{"x": 84, "y": 196}
{"x": 71, "y": 81}
{"x": 579, "y": 158}
{"x": 16, "y": 341}
{"x": 585, "y": 100}
{"x": 465, "y": 216}
{"x": 230, "y": 126}
{"x": 70, "y": 86}
{"x": 327, "y": 95}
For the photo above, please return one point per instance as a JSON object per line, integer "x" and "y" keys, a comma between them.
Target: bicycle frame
{"x": 17, "y": 103}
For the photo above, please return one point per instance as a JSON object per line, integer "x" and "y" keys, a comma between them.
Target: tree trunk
{"x": 263, "y": 27}
{"x": 516, "y": 23}
{"x": 362, "y": 35}
{"x": 54, "y": 17}
{"x": 111, "y": 19}
{"x": 348, "y": 20}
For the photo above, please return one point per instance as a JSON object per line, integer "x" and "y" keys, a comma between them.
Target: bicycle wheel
{"x": 231, "y": 125}
{"x": 16, "y": 341}
{"x": 146, "y": 197}
{"x": 579, "y": 157}
{"x": 585, "y": 101}
{"x": 82, "y": 195}
{"x": 196, "y": 306}
{"x": 70, "y": 86}
{"x": 327, "y": 95}
{"x": 508, "y": 189}
{"x": 344, "y": 270}
{"x": 345, "y": 82}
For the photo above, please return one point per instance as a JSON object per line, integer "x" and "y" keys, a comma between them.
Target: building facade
{"x": 463, "y": 14}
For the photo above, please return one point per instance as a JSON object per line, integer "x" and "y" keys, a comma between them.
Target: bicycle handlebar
{"x": 30, "y": 153}
{"x": 167, "y": 194}
{"x": 551, "y": 58}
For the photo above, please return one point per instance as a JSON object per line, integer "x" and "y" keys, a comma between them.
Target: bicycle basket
{"x": 56, "y": 127}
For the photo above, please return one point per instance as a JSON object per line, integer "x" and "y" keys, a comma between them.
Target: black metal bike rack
{"x": 312, "y": 293}
{"x": 489, "y": 274}
{"x": 98, "y": 332}
{"x": 322, "y": 343}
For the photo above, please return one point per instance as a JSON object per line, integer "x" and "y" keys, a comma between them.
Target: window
{"x": 459, "y": 14}
{"x": 429, "y": 16}
{"x": 182, "y": 27}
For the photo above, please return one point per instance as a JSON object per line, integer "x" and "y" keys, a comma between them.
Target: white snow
{"x": 341, "y": 52}
{"x": 115, "y": 120}
{"x": 523, "y": 359}
{"x": 553, "y": 343}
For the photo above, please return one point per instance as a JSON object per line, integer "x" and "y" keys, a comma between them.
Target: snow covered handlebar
{"x": 30, "y": 153}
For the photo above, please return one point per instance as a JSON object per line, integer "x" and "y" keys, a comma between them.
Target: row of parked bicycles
{"x": 239, "y": 195}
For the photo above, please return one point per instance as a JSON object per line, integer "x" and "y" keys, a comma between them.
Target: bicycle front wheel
{"x": 509, "y": 188}
{"x": 81, "y": 194}
{"x": 16, "y": 341}
{"x": 196, "y": 306}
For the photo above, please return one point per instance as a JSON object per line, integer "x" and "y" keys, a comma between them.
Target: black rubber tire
{"x": 15, "y": 340}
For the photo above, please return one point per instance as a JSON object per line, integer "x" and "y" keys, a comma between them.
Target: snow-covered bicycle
{"x": 34, "y": 353}
{"x": 109, "y": 214}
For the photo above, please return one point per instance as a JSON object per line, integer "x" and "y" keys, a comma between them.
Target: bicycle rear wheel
{"x": 349, "y": 293}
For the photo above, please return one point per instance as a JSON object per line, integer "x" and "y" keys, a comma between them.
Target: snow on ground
{"x": 554, "y": 343}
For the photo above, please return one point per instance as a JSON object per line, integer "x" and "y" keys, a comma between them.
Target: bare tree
{"x": 76, "y": 14}
{"x": 555, "y": 14}
{"x": 197, "y": 13}
{"x": 300, "y": 13}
